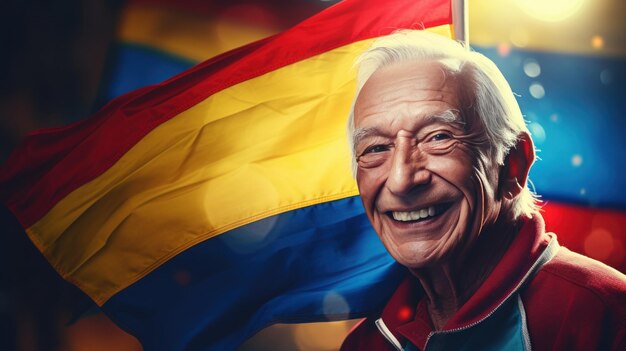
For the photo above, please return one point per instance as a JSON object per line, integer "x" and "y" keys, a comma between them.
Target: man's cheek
{"x": 370, "y": 180}
{"x": 454, "y": 169}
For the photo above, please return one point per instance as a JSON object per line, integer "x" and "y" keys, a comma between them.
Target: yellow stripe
{"x": 193, "y": 36}
{"x": 265, "y": 146}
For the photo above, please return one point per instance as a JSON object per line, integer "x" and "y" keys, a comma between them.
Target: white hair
{"x": 493, "y": 101}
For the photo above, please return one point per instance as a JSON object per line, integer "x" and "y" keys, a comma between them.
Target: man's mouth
{"x": 419, "y": 214}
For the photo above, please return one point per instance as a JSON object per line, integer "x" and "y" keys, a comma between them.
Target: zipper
{"x": 544, "y": 258}
{"x": 525, "y": 334}
{"x": 387, "y": 334}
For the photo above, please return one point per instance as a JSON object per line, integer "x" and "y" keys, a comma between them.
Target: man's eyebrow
{"x": 362, "y": 133}
{"x": 450, "y": 116}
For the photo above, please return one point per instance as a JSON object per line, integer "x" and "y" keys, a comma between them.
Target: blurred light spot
{"x": 405, "y": 313}
{"x": 597, "y": 42}
{"x": 326, "y": 336}
{"x": 504, "y": 49}
{"x": 536, "y": 90}
{"x": 599, "y": 244}
{"x": 251, "y": 237}
{"x": 615, "y": 227}
{"x": 519, "y": 37}
{"x": 606, "y": 77}
{"x": 550, "y": 11}
{"x": 335, "y": 306}
{"x": 583, "y": 191}
{"x": 182, "y": 278}
{"x": 554, "y": 117}
{"x": 537, "y": 132}
{"x": 577, "y": 160}
{"x": 532, "y": 68}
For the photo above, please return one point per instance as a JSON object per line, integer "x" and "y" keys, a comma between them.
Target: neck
{"x": 448, "y": 286}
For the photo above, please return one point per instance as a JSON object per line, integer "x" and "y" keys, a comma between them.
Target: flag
{"x": 196, "y": 211}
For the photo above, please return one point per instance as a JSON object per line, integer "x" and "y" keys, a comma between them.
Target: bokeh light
{"x": 536, "y": 90}
{"x": 605, "y": 241}
{"x": 504, "y": 49}
{"x": 182, "y": 277}
{"x": 551, "y": 10}
{"x": 335, "y": 306}
{"x": 577, "y": 160}
{"x": 599, "y": 244}
{"x": 606, "y": 77}
{"x": 405, "y": 313}
{"x": 538, "y": 133}
{"x": 532, "y": 68}
{"x": 597, "y": 42}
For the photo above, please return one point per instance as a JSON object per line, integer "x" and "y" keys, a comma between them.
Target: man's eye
{"x": 375, "y": 149}
{"x": 440, "y": 136}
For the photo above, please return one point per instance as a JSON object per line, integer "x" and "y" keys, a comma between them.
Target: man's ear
{"x": 514, "y": 172}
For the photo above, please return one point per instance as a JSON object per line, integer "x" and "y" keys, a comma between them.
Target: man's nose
{"x": 408, "y": 168}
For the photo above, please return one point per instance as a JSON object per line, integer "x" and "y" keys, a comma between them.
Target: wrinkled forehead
{"x": 423, "y": 81}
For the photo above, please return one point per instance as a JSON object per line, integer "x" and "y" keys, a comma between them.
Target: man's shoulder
{"x": 571, "y": 283}
{"x": 585, "y": 276}
{"x": 577, "y": 303}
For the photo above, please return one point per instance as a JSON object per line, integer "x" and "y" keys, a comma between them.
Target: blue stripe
{"x": 311, "y": 264}
{"x": 582, "y": 118}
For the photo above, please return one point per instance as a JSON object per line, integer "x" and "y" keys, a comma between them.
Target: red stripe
{"x": 52, "y": 163}
{"x": 597, "y": 233}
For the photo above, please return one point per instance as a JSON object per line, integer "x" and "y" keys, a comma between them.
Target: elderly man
{"x": 442, "y": 156}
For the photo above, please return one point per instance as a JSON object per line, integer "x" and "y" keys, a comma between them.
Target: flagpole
{"x": 460, "y": 21}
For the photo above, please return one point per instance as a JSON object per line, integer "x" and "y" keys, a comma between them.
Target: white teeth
{"x": 413, "y": 215}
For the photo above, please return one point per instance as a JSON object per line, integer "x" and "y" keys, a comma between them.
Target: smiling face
{"x": 424, "y": 189}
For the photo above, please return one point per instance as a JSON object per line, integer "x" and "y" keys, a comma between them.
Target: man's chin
{"x": 416, "y": 256}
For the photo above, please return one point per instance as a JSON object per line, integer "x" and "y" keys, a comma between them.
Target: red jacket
{"x": 540, "y": 295}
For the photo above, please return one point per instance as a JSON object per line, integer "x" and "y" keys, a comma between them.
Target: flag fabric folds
{"x": 196, "y": 211}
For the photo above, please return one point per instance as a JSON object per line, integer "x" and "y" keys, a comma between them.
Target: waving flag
{"x": 196, "y": 211}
